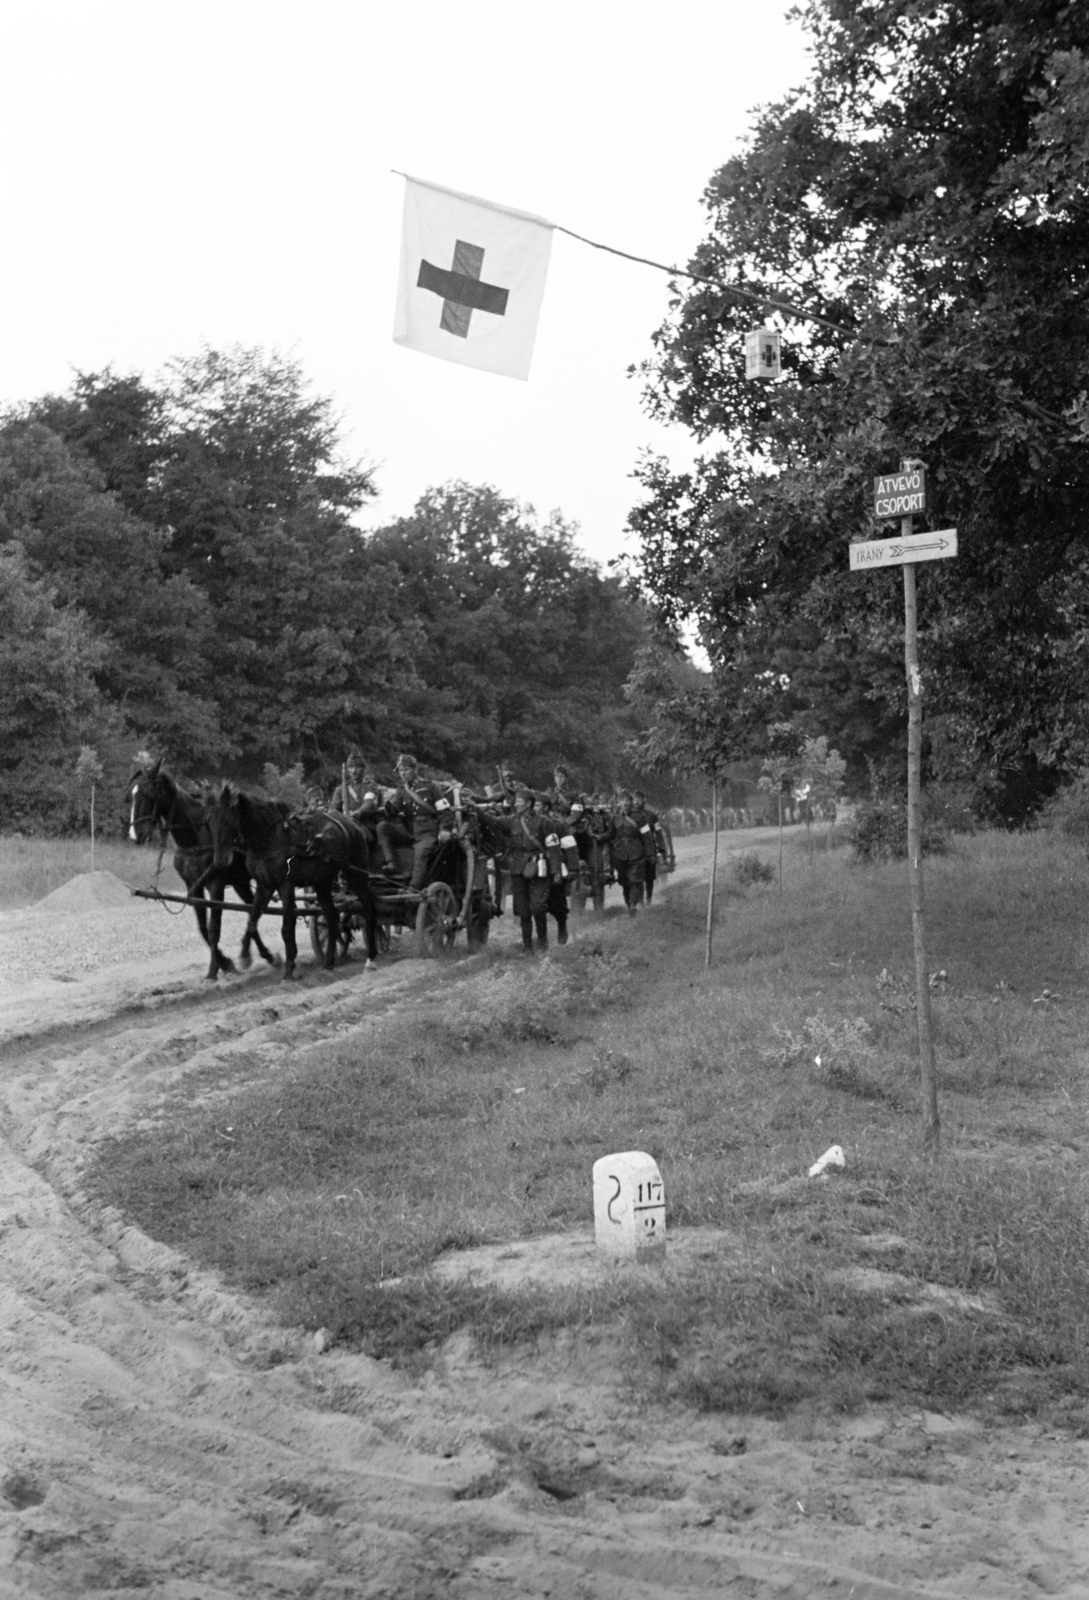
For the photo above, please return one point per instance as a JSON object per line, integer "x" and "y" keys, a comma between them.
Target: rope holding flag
{"x": 472, "y": 280}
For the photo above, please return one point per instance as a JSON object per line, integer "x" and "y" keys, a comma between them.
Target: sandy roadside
{"x": 159, "y": 1433}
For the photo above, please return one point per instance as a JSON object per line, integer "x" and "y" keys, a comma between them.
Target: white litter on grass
{"x": 833, "y": 1157}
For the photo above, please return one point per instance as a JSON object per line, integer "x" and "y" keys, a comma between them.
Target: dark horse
{"x": 284, "y": 853}
{"x": 157, "y": 801}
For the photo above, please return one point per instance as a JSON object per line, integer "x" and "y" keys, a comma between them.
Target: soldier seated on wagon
{"x": 348, "y": 795}
{"x": 416, "y": 816}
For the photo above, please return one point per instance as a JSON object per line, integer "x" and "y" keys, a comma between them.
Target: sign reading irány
{"x": 937, "y": 545}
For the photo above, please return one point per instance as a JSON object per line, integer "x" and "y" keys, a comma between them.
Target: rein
{"x": 163, "y": 818}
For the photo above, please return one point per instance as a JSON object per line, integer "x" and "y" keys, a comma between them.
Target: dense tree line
{"x": 926, "y": 193}
{"x": 181, "y": 569}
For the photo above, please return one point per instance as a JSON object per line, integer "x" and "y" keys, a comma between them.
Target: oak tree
{"x": 924, "y": 198}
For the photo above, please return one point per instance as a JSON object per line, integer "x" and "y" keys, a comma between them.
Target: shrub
{"x": 879, "y": 831}
{"x": 288, "y": 786}
{"x": 504, "y": 1006}
{"x": 950, "y": 806}
{"x": 605, "y": 979}
{"x": 1068, "y": 812}
{"x": 752, "y": 868}
{"x": 842, "y": 1052}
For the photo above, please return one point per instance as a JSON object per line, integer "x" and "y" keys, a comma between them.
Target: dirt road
{"x": 157, "y": 1433}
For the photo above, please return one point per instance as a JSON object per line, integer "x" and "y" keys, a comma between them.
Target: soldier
{"x": 368, "y": 815}
{"x": 563, "y": 792}
{"x": 650, "y": 826}
{"x": 629, "y": 853}
{"x": 594, "y": 832}
{"x": 496, "y": 802}
{"x": 348, "y": 794}
{"x": 558, "y": 869}
{"x": 417, "y": 815}
{"x": 527, "y": 862}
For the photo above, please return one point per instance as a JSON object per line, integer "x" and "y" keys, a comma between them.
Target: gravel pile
{"x": 93, "y": 921}
{"x": 86, "y": 892}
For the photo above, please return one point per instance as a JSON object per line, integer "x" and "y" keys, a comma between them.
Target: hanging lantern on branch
{"x": 762, "y": 353}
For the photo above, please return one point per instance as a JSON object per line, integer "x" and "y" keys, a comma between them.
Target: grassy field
{"x": 478, "y": 1117}
{"x": 32, "y": 868}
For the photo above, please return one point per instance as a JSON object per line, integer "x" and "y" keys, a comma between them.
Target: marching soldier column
{"x": 550, "y": 845}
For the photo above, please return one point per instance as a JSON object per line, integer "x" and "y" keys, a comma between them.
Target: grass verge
{"x": 32, "y": 868}
{"x": 478, "y": 1117}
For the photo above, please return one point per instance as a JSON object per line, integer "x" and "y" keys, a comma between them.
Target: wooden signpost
{"x": 902, "y": 495}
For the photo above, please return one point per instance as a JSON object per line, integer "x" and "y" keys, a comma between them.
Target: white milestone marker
{"x": 629, "y": 1207}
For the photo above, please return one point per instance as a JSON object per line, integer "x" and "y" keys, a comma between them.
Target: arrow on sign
{"x": 937, "y": 544}
{"x": 913, "y": 550}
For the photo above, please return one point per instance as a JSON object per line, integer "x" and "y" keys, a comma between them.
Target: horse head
{"x": 223, "y": 814}
{"x": 147, "y": 801}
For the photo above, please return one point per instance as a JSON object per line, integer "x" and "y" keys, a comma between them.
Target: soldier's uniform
{"x": 650, "y": 826}
{"x": 578, "y": 823}
{"x": 368, "y": 815}
{"x": 592, "y": 826}
{"x": 414, "y": 816}
{"x": 562, "y": 795}
{"x": 530, "y": 876}
{"x": 358, "y": 785}
{"x": 629, "y": 853}
{"x": 562, "y": 861}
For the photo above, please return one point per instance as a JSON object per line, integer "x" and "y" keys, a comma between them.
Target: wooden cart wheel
{"x": 436, "y": 920}
{"x": 319, "y": 935}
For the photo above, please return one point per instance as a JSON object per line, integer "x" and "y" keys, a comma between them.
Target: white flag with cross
{"x": 471, "y": 280}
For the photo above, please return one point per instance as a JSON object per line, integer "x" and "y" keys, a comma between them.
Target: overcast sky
{"x": 185, "y": 173}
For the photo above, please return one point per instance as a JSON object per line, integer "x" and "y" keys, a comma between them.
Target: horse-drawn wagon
{"x": 460, "y": 892}
{"x": 315, "y": 864}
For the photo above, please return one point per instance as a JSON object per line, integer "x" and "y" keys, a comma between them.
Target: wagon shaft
{"x": 192, "y": 900}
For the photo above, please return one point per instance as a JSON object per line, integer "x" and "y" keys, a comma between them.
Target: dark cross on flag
{"x": 461, "y": 289}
